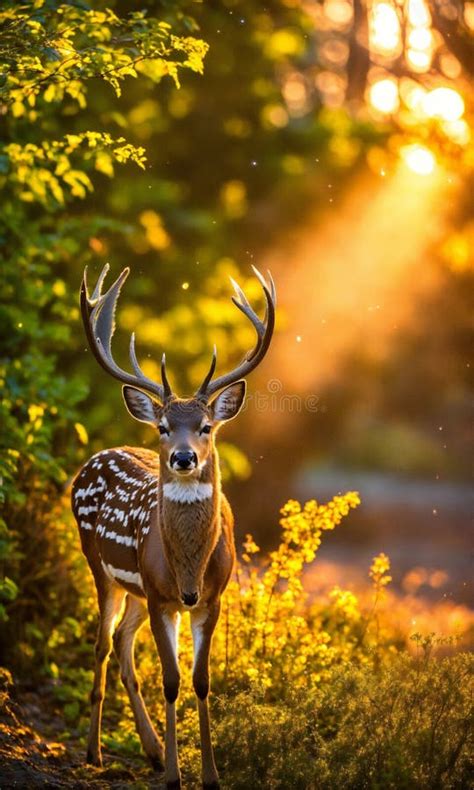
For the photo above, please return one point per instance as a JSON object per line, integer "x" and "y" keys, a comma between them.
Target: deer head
{"x": 186, "y": 426}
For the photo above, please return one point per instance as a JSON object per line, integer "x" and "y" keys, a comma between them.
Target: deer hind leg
{"x": 124, "y": 639}
{"x": 203, "y": 623}
{"x": 110, "y": 598}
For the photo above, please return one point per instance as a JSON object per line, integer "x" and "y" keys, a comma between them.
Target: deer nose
{"x": 190, "y": 599}
{"x": 183, "y": 459}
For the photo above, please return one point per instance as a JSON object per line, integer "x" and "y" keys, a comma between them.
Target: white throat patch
{"x": 187, "y": 492}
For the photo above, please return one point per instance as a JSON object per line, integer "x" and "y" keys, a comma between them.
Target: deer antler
{"x": 264, "y": 330}
{"x": 98, "y": 315}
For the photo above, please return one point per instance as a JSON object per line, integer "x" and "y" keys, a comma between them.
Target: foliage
{"x": 50, "y": 51}
{"x": 267, "y": 637}
{"x": 403, "y": 726}
{"x": 43, "y": 172}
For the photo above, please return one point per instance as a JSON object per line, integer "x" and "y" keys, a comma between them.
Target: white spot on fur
{"x": 123, "y": 576}
{"x": 122, "y": 495}
{"x": 127, "y": 479}
{"x": 82, "y": 493}
{"x": 126, "y": 540}
{"x": 192, "y": 491}
{"x": 85, "y": 510}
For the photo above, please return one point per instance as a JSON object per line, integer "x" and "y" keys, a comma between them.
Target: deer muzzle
{"x": 190, "y": 598}
{"x": 183, "y": 461}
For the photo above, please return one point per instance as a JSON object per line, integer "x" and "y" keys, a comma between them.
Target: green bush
{"x": 407, "y": 725}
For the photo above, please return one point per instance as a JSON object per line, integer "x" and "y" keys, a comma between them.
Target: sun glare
{"x": 444, "y": 103}
{"x": 385, "y": 35}
{"x": 383, "y": 96}
{"x": 418, "y": 159}
{"x": 418, "y": 14}
{"x": 419, "y": 60}
{"x": 413, "y": 79}
{"x": 457, "y": 131}
{"x": 420, "y": 38}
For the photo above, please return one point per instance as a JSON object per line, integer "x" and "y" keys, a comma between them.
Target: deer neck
{"x": 190, "y": 522}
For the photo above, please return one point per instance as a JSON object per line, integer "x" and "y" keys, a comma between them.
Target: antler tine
{"x": 133, "y": 356}
{"x": 102, "y": 317}
{"x": 98, "y": 288}
{"x": 201, "y": 393}
{"x": 167, "y": 393}
{"x": 148, "y": 383}
{"x": 257, "y": 323}
{"x": 239, "y": 292}
{"x": 272, "y": 288}
{"x": 245, "y": 307}
{"x": 263, "y": 282}
{"x": 98, "y": 314}
{"x": 264, "y": 330}
{"x": 87, "y": 305}
{"x": 258, "y": 274}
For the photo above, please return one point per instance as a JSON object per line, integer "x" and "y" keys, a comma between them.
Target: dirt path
{"x": 31, "y": 755}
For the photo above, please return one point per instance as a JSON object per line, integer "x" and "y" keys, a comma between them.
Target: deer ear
{"x": 229, "y": 402}
{"x": 140, "y": 406}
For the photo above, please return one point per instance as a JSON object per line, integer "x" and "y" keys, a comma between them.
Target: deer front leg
{"x": 203, "y": 623}
{"x": 164, "y": 625}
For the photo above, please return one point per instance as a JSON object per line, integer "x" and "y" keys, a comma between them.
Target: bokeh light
{"x": 339, "y": 12}
{"x": 444, "y": 103}
{"x": 418, "y": 14}
{"x": 385, "y": 33}
{"x": 419, "y": 159}
{"x": 420, "y": 38}
{"x": 383, "y": 96}
{"x": 420, "y": 61}
{"x": 458, "y": 132}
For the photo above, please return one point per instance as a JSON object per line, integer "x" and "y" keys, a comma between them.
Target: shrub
{"x": 404, "y": 726}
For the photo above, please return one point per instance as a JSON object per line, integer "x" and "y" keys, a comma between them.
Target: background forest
{"x": 332, "y": 143}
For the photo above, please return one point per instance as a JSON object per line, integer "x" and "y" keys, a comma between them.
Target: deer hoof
{"x": 157, "y": 764}
{"x": 95, "y": 760}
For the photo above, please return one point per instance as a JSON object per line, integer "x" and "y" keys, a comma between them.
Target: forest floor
{"x": 33, "y": 752}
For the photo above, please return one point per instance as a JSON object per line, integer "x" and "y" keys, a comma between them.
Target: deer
{"x": 156, "y": 528}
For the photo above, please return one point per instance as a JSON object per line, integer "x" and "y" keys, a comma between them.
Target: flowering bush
{"x": 269, "y": 633}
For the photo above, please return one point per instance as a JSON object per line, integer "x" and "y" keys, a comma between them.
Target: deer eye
{"x": 163, "y": 431}
{"x": 205, "y": 429}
